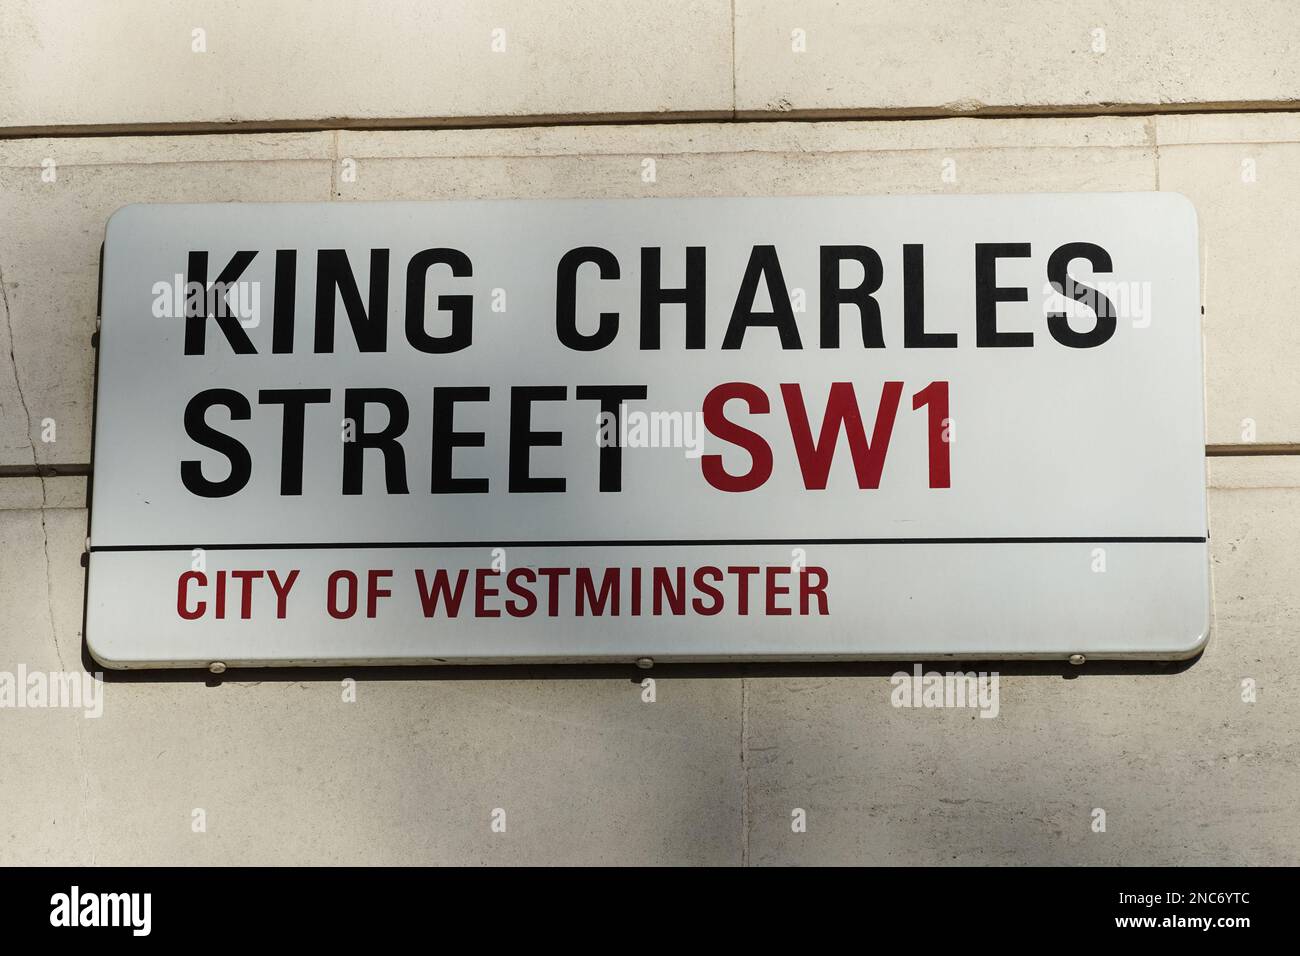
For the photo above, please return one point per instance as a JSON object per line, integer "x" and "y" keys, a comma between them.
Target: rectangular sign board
{"x": 679, "y": 429}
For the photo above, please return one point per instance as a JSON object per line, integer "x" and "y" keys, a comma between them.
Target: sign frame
{"x": 642, "y": 643}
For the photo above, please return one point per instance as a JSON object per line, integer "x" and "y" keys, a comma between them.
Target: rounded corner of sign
{"x": 1197, "y": 646}
{"x": 104, "y": 660}
{"x": 121, "y": 213}
{"x": 1183, "y": 202}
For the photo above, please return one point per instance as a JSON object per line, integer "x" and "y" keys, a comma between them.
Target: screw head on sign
{"x": 1077, "y": 659}
{"x": 645, "y": 663}
{"x": 217, "y": 667}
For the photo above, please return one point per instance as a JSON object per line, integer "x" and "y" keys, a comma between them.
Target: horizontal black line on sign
{"x": 640, "y": 543}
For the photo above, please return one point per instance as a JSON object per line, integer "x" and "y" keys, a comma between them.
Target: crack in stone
{"x": 49, "y": 578}
{"x": 27, "y": 414}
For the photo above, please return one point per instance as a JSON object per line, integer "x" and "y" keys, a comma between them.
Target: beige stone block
{"x": 98, "y": 64}
{"x": 1244, "y": 179}
{"x": 1266, "y": 471}
{"x": 753, "y": 160}
{"x": 861, "y": 57}
{"x": 1194, "y": 129}
{"x": 412, "y": 772}
{"x": 1186, "y": 770}
{"x": 57, "y": 491}
{"x": 43, "y": 788}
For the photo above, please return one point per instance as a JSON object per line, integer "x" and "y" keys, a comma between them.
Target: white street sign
{"x": 682, "y": 429}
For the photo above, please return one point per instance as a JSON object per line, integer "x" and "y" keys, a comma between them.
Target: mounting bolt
{"x": 217, "y": 667}
{"x": 645, "y": 663}
{"x": 1077, "y": 659}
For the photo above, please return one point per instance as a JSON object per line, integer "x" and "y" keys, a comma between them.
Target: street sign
{"x": 677, "y": 429}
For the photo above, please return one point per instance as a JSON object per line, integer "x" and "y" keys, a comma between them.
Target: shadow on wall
{"x": 629, "y": 672}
